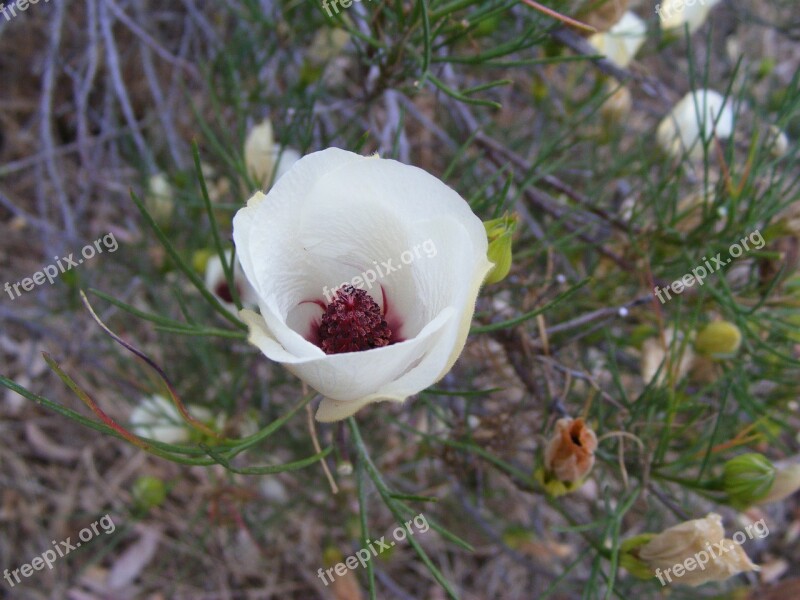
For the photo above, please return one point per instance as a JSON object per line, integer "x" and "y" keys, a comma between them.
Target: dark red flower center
{"x": 353, "y": 322}
{"x": 223, "y": 292}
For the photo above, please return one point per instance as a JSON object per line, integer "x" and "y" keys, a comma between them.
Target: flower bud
{"x": 160, "y": 199}
{"x": 500, "y": 232}
{"x": 673, "y": 360}
{"x": 618, "y": 105}
{"x": 200, "y": 259}
{"x": 786, "y": 483}
{"x": 149, "y": 492}
{"x": 258, "y": 149}
{"x": 568, "y": 457}
{"x": 747, "y": 479}
{"x": 777, "y": 141}
{"x": 630, "y": 561}
{"x": 719, "y": 339}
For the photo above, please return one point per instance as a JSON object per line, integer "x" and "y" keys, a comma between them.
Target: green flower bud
{"x": 630, "y": 561}
{"x": 500, "y": 233}
{"x": 719, "y": 339}
{"x": 200, "y": 259}
{"x": 149, "y": 492}
{"x": 747, "y": 478}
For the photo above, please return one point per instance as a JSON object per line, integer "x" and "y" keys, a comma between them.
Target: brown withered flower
{"x": 569, "y": 455}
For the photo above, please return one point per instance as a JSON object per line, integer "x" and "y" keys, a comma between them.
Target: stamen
{"x": 353, "y": 322}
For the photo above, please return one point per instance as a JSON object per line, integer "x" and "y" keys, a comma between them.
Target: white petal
{"x": 157, "y": 418}
{"x": 697, "y": 116}
{"x": 284, "y": 158}
{"x": 674, "y": 13}
{"x": 621, "y": 43}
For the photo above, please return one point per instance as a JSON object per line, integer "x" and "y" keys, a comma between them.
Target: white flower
{"x": 217, "y": 284}
{"x": 263, "y": 157}
{"x": 158, "y": 419}
{"x": 618, "y": 105}
{"x": 160, "y": 199}
{"x": 699, "y": 114}
{"x": 410, "y": 248}
{"x": 677, "y": 358}
{"x": 621, "y": 43}
{"x": 674, "y": 13}
{"x": 777, "y": 141}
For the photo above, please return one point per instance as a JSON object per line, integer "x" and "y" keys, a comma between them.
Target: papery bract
{"x": 675, "y": 545}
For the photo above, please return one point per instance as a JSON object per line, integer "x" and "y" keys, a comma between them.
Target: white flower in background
{"x": 698, "y": 115}
{"x": 160, "y": 199}
{"x": 777, "y": 141}
{"x": 263, "y": 157}
{"x": 412, "y": 251}
{"x": 618, "y": 105}
{"x": 328, "y": 43}
{"x": 725, "y": 558}
{"x": 621, "y": 43}
{"x": 674, "y": 13}
{"x": 677, "y": 358}
{"x": 217, "y": 284}
{"x": 157, "y": 418}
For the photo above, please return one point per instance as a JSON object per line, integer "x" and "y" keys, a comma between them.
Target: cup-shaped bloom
{"x": 217, "y": 284}
{"x": 698, "y": 549}
{"x": 698, "y": 115}
{"x": 569, "y": 455}
{"x": 674, "y": 13}
{"x": 621, "y": 43}
{"x": 366, "y": 273}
